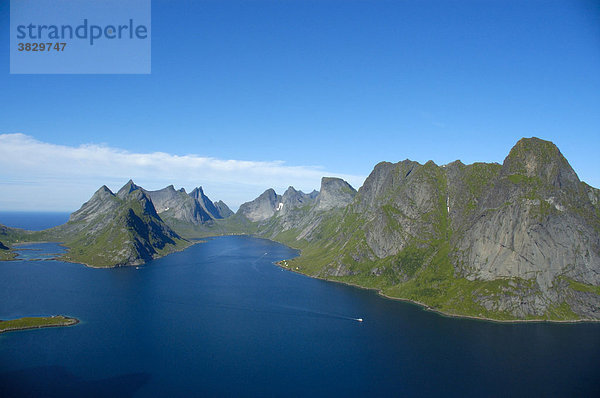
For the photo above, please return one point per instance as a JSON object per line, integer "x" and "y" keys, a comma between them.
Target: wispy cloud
{"x": 45, "y": 176}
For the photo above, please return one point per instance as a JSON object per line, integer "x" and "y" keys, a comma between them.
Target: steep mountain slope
{"x": 514, "y": 241}
{"x": 178, "y": 205}
{"x": 111, "y": 230}
{"x": 261, "y": 208}
{"x": 298, "y": 214}
{"x": 205, "y": 203}
{"x": 334, "y": 193}
{"x": 191, "y": 216}
{"x": 223, "y": 210}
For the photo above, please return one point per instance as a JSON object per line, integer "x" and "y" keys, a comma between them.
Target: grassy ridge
{"x": 36, "y": 323}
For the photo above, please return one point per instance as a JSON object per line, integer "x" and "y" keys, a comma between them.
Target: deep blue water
{"x": 219, "y": 319}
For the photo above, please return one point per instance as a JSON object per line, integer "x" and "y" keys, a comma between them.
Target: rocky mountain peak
{"x": 224, "y": 210}
{"x": 292, "y": 199}
{"x": 103, "y": 192}
{"x": 334, "y": 192}
{"x": 197, "y": 193}
{"x": 126, "y": 189}
{"x": 207, "y": 205}
{"x": 290, "y": 191}
{"x": 262, "y": 207}
{"x": 102, "y": 201}
{"x": 536, "y": 158}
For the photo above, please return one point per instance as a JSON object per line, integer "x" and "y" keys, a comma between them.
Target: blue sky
{"x": 323, "y": 87}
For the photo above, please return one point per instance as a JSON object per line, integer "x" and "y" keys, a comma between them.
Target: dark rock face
{"x": 195, "y": 208}
{"x": 205, "y": 203}
{"x": 3, "y": 247}
{"x": 172, "y": 204}
{"x": 126, "y": 189}
{"x": 223, "y": 210}
{"x": 134, "y": 225}
{"x": 122, "y": 229}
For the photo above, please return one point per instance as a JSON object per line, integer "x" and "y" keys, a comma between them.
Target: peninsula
{"x": 36, "y": 323}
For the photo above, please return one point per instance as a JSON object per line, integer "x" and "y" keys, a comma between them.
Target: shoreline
{"x": 68, "y": 321}
{"x": 378, "y": 291}
{"x": 70, "y": 261}
{"x": 434, "y": 310}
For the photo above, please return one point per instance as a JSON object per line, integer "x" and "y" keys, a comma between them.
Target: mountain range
{"x": 512, "y": 241}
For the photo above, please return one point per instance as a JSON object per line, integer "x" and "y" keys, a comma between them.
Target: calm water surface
{"x": 219, "y": 319}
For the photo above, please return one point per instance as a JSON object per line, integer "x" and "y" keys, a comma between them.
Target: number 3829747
{"x": 41, "y": 46}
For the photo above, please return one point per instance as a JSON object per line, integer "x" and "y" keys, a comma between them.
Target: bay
{"x": 220, "y": 319}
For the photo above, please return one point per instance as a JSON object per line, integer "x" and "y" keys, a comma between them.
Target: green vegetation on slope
{"x": 129, "y": 238}
{"x": 418, "y": 214}
{"x": 6, "y": 255}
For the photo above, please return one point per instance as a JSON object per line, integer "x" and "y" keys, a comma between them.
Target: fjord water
{"x": 219, "y": 319}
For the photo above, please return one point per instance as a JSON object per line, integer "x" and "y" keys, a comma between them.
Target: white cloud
{"x": 36, "y": 175}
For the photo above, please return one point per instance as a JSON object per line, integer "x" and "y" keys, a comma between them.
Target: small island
{"x": 37, "y": 323}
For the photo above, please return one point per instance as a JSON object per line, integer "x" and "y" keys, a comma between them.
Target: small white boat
{"x": 359, "y": 319}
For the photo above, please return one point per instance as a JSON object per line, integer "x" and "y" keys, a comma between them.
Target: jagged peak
{"x": 291, "y": 191}
{"x": 127, "y": 188}
{"x": 103, "y": 191}
{"x": 222, "y": 208}
{"x": 197, "y": 193}
{"x": 268, "y": 193}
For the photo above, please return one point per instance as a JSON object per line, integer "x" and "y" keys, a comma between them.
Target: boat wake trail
{"x": 319, "y": 314}
{"x": 284, "y": 310}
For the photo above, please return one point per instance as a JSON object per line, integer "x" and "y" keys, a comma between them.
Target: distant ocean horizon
{"x": 33, "y": 220}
